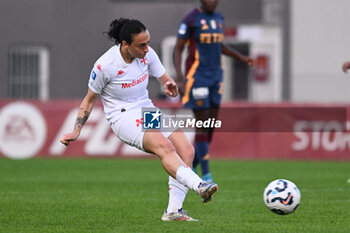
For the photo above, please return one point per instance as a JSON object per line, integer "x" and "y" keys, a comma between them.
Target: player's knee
{"x": 166, "y": 148}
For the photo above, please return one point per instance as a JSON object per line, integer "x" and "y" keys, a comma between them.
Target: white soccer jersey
{"x": 122, "y": 85}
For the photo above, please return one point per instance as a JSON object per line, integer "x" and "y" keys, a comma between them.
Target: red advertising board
{"x": 249, "y": 131}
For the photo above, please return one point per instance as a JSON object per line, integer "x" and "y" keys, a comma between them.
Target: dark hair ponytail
{"x": 123, "y": 29}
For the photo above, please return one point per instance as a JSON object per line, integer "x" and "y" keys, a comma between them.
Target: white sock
{"x": 177, "y": 194}
{"x": 187, "y": 177}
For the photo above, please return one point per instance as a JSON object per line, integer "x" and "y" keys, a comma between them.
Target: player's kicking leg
{"x": 157, "y": 144}
{"x": 184, "y": 175}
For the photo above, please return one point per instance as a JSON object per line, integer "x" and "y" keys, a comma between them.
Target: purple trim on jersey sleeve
{"x": 191, "y": 57}
{"x": 190, "y": 17}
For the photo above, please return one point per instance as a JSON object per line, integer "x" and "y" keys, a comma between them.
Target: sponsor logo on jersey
{"x": 152, "y": 119}
{"x": 120, "y": 72}
{"x": 134, "y": 82}
{"x": 205, "y": 27}
{"x": 182, "y": 29}
{"x": 200, "y": 92}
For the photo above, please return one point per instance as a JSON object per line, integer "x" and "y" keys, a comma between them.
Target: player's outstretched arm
{"x": 235, "y": 54}
{"x": 170, "y": 87}
{"x": 346, "y": 66}
{"x": 85, "y": 109}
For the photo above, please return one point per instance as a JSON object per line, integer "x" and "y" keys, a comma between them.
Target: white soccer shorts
{"x": 129, "y": 128}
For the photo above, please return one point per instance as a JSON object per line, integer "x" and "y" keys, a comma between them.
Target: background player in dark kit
{"x": 202, "y": 30}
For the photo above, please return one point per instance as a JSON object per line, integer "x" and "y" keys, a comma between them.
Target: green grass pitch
{"x": 120, "y": 195}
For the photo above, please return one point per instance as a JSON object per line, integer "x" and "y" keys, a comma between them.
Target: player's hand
{"x": 249, "y": 61}
{"x": 346, "y": 66}
{"x": 170, "y": 88}
{"x": 67, "y": 138}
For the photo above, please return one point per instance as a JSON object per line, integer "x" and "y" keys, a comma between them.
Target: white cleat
{"x": 181, "y": 215}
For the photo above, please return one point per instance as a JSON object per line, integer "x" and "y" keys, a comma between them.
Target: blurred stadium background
{"x": 48, "y": 48}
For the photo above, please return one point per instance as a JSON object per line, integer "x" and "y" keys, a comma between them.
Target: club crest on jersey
{"x": 204, "y": 24}
{"x": 144, "y": 61}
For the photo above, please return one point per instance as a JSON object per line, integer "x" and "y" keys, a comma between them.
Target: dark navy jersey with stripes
{"x": 203, "y": 33}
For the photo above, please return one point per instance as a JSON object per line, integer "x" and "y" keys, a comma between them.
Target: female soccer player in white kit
{"x": 120, "y": 78}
